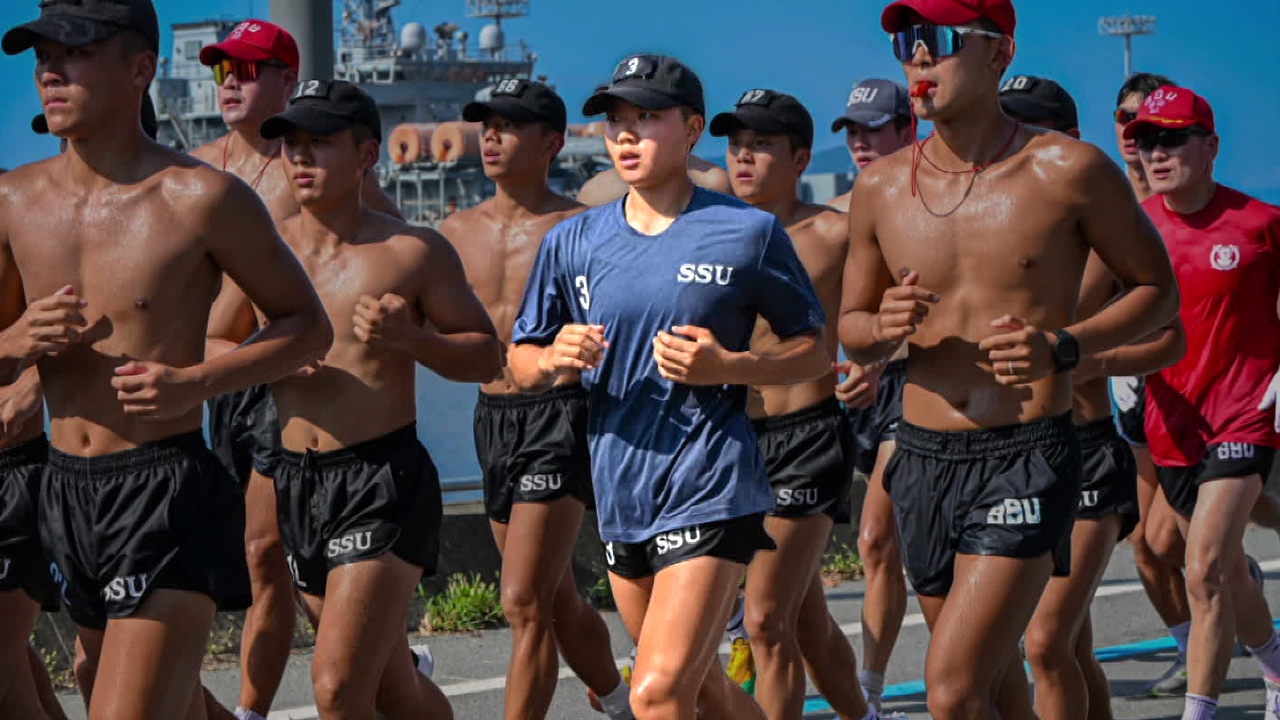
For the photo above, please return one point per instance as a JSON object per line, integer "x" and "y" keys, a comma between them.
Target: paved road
{"x": 471, "y": 667}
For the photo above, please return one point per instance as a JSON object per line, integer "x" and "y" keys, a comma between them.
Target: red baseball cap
{"x": 1171, "y": 107}
{"x": 950, "y": 12}
{"x": 254, "y": 40}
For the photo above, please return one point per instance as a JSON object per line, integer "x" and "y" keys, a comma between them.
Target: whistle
{"x": 921, "y": 88}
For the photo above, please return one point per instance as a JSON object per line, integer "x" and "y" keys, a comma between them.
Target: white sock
{"x": 1268, "y": 657}
{"x": 246, "y": 714}
{"x": 872, "y": 687}
{"x": 871, "y": 715}
{"x": 1181, "y": 634}
{"x": 1198, "y": 707}
{"x": 617, "y": 704}
{"x": 423, "y": 661}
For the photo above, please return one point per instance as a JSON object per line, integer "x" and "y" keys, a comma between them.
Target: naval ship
{"x": 420, "y": 79}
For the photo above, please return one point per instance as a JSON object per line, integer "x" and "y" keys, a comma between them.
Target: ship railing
{"x": 462, "y": 495}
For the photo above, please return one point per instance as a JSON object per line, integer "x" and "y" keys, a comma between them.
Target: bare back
{"x": 138, "y": 253}
{"x": 360, "y": 392}
{"x": 1013, "y": 246}
{"x": 821, "y": 239}
{"x": 498, "y": 255}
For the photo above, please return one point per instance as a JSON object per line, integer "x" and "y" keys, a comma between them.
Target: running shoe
{"x": 1272, "y": 709}
{"x": 423, "y": 660}
{"x": 742, "y": 668}
{"x": 1172, "y": 683}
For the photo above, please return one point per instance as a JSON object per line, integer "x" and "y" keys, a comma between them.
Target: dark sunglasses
{"x": 1168, "y": 139}
{"x": 939, "y": 40}
{"x": 244, "y": 70}
{"x": 1124, "y": 117}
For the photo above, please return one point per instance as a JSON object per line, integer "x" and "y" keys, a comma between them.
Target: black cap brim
{"x": 724, "y": 124}
{"x": 307, "y": 119}
{"x": 69, "y": 30}
{"x": 40, "y": 124}
{"x": 515, "y": 112}
{"x": 642, "y": 97}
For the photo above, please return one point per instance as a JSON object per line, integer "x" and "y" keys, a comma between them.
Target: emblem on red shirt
{"x": 1224, "y": 257}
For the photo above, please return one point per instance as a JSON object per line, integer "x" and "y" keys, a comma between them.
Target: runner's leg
{"x": 885, "y": 602}
{"x": 268, "y": 624}
{"x": 828, "y": 655}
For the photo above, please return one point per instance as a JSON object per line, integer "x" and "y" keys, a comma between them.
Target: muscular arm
{"x": 243, "y": 242}
{"x": 464, "y": 346}
{"x": 795, "y": 360}
{"x": 526, "y": 369}
{"x": 12, "y": 302}
{"x": 231, "y": 320}
{"x": 1150, "y": 354}
{"x": 1120, "y": 233}
{"x": 866, "y": 277}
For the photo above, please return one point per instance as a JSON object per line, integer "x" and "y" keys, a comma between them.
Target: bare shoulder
{"x": 603, "y": 188}
{"x": 840, "y": 202}
{"x": 210, "y": 152}
{"x": 26, "y": 181}
{"x": 709, "y": 175}
{"x": 883, "y": 175}
{"x": 821, "y": 222}
{"x": 457, "y": 222}
{"x": 187, "y": 180}
{"x": 418, "y": 246}
{"x": 1073, "y": 165}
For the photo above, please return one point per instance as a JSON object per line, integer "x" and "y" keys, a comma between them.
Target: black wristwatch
{"x": 1066, "y": 352}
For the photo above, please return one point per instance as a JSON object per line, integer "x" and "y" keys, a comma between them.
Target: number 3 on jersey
{"x": 584, "y": 294}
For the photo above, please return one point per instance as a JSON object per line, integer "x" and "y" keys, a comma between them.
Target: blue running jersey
{"x": 664, "y": 455}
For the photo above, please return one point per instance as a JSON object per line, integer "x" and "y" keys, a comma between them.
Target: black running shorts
{"x": 1009, "y": 491}
{"x": 737, "y": 540}
{"x": 878, "y": 424}
{"x": 358, "y": 503}
{"x": 22, "y": 562}
{"x": 533, "y": 448}
{"x": 808, "y": 455}
{"x": 1223, "y": 460}
{"x": 161, "y": 515}
{"x": 245, "y": 431}
{"x": 1109, "y": 482}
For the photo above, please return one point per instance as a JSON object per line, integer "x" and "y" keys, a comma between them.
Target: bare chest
{"x": 342, "y": 277}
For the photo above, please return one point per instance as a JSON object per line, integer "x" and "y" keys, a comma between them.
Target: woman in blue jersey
{"x": 653, "y": 299}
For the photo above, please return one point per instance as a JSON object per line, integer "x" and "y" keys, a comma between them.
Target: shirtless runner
{"x": 532, "y": 449}
{"x": 256, "y": 68}
{"x": 358, "y": 497}
{"x": 115, "y": 250}
{"x": 987, "y": 471}
{"x": 802, "y": 429}
{"x": 1212, "y": 420}
{"x": 877, "y": 122}
{"x": 1069, "y": 681}
{"x": 607, "y": 186}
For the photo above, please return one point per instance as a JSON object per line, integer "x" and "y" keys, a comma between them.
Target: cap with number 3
{"x": 325, "y": 107}
{"x": 653, "y": 82}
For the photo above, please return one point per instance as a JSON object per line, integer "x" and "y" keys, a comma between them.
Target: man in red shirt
{"x": 1212, "y": 439}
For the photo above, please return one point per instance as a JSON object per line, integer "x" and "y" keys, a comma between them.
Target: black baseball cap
{"x": 150, "y": 125}
{"x": 1037, "y": 99}
{"x": 325, "y": 107}
{"x": 874, "y": 103}
{"x": 76, "y": 23}
{"x": 521, "y": 101}
{"x": 654, "y": 82}
{"x": 768, "y": 112}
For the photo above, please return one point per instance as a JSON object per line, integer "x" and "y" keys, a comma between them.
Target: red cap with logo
{"x": 950, "y": 12}
{"x": 254, "y": 40}
{"x": 1171, "y": 107}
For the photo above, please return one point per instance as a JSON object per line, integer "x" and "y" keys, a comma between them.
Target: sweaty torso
{"x": 1009, "y": 245}
{"x": 136, "y": 252}
{"x": 821, "y": 240}
{"x": 497, "y": 254}
{"x": 360, "y": 391}
{"x": 266, "y": 176}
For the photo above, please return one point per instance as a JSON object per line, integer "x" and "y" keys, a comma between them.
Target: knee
{"x": 655, "y": 692}
{"x": 769, "y": 626}
{"x": 877, "y": 543}
{"x": 1205, "y": 574}
{"x": 953, "y": 699}
{"x": 524, "y": 606}
{"x": 1164, "y": 542}
{"x": 1048, "y": 647}
{"x": 264, "y": 550}
{"x": 336, "y": 693}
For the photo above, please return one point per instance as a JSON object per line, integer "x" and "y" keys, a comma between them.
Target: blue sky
{"x": 815, "y": 49}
